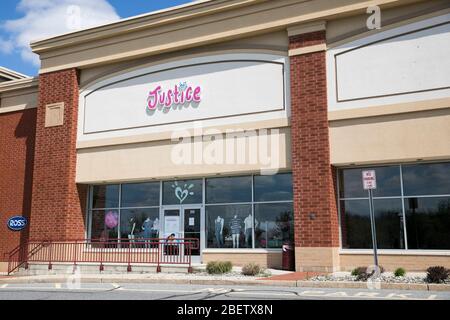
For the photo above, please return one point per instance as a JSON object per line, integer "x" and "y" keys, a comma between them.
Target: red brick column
{"x": 316, "y": 218}
{"x": 17, "y": 133}
{"x": 57, "y": 206}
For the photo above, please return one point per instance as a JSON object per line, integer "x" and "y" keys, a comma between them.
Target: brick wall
{"x": 316, "y": 218}
{"x": 58, "y": 203}
{"x": 17, "y": 133}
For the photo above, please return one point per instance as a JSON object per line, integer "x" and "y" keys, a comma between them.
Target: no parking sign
{"x": 369, "y": 179}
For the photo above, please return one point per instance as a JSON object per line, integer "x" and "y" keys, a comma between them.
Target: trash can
{"x": 288, "y": 258}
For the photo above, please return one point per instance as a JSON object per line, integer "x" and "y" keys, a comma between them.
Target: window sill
{"x": 396, "y": 252}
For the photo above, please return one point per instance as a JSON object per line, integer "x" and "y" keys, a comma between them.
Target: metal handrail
{"x": 151, "y": 251}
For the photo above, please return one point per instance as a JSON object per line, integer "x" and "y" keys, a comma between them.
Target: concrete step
{"x": 86, "y": 268}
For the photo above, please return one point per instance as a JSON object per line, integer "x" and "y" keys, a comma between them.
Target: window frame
{"x": 252, "y": 203}
{"x": 402, "y": 197}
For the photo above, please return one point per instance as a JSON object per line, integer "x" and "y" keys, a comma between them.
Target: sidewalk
{"x": 284, "y": 280}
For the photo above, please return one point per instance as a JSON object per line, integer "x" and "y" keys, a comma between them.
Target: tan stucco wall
{"x": 349, "y": 28}
{"x": 152, "y": 160}
{"x": 18, "y": 95}
{"x": 391, "y": 138}
{"x": 274, "y": 41}
{"x": 265, "y": 259}
{"x": 391, "y": 262}
{"x": 18, "y": 101}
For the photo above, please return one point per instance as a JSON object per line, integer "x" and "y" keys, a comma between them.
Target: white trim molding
{"x": 395, "y": 252}
{"x": 307, "y": 28}
{"x": 306, "y": 50}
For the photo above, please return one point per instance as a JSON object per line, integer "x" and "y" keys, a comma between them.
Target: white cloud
{"x": 47, "y": 18}
{"x": 6, "y": 46}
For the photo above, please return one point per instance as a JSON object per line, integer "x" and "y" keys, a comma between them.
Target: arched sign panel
{"x": 17, "y": 223}
{"x": 198, "y": 89}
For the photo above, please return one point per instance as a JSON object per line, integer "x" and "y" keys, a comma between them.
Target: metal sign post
{"x": 370, "y": 183}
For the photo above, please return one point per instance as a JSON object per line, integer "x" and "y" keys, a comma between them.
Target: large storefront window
{"x": 274, "y": 225}
{"x": 229, "y": 226}
{"x": 242, "y": 212}
{"x": 140, "y": 195}
{"x": 249, "y": 212}
{"x": 139, "y": 223}
{"x": 182, "y": 192}
{"x": 411, "y": 203}
{"x": 105, "y": 196}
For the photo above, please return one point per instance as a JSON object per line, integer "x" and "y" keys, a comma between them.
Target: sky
{"x": 22, "y": 21}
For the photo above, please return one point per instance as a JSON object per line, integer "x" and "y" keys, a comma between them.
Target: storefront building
{"x": 244, "y": 124}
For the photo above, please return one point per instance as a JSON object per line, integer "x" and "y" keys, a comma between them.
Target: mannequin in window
{"x": 155, "y": 229}
{"x": 248, "y": 227}
{"x": 235, "y": 226}
{"x": 133, "y": 227}
{"x": 218, "y": 230}
{"x": 147, "y": 227}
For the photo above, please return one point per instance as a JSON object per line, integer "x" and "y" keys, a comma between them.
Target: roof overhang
{"x": 196, "y": 24}
{"x": 11, "y": 74}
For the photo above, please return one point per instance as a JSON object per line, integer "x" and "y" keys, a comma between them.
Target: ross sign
{"x": 180, "y": 95}
{"x": 17, "y": 223}
{"x": 369, "y": 179}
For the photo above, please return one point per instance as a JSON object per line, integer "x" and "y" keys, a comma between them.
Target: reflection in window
{"x": 388, "y": 182}
{"x": 428, "y": 223}
{"x": 425, "y": 207}
{"x": 273, "y": 187}
{"x": 389, "y": 223}
{"x": 274, "y": 224}
{"x": 183, "y": 192}
{"x": 351, "y": 184}
{"x": 105, "y": 196}
{"x": 138, "y": 224}
{"x": 229, "y": 190}
{"x": 228, "y": 226}
{"x": 355, "y": 224}
{"x": 426, "y": 179}
{"x": 140, "y": 195}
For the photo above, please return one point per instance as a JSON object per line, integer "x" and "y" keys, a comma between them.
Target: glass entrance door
{"x": 192, "y": 226}
{"x": 184, "y": 222}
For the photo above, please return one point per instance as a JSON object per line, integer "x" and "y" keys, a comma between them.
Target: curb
{"x": 267, "y": 283}
{"x": 280, "y": 283}
{"x": 363, "y": 285}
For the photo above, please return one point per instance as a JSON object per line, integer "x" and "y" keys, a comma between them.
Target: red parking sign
{"x": 369, "y": 179}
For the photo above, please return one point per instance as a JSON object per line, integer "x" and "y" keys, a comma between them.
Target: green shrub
{"x": 399, "y": 272}
{"x": 361, "y": 273}
{"x": 437, "y": 274}
{"x": 358, "y": 271}
{"x": 251, "y": 269}
{"x": 219, "y": 267}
